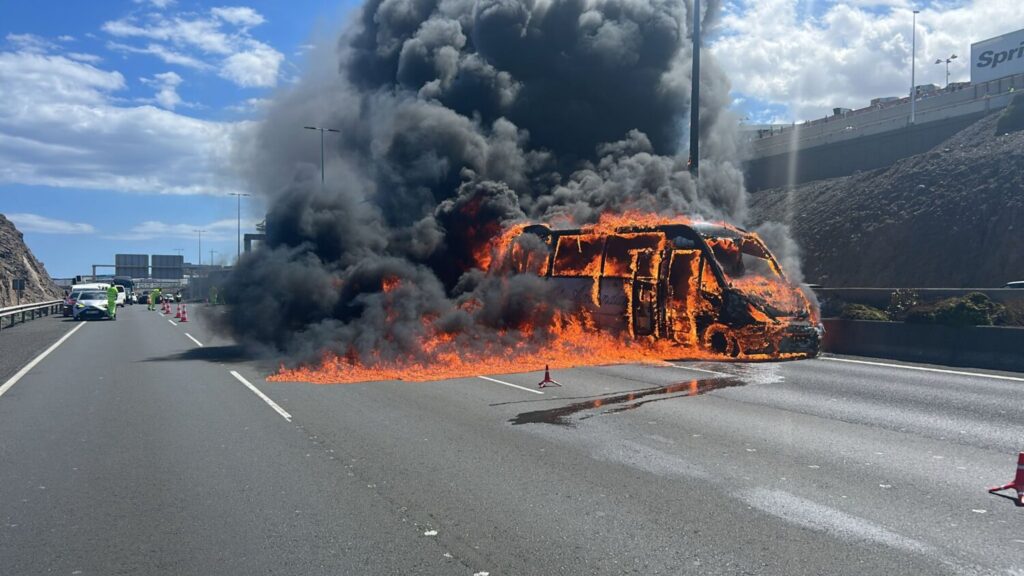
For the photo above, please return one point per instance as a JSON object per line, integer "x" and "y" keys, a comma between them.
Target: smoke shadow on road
{"x": 233, "y": 353}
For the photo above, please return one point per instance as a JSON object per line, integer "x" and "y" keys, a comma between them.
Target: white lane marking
{"x": 198, "y": 343}
{"x": 256, "y": 391}
{"x": 810, "y": 514}
{"x": 172, "y": 322}
{"x": 510, "y": 384}
{"x": 923, "y": 369}
{"x": 21, "y": 373}
{"x": 698, "y": 369}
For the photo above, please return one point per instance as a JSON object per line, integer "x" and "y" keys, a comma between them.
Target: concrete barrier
{"x": 879, "y": 297}
{"x": 991, "y": 347}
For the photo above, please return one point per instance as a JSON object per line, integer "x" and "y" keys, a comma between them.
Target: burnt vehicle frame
{"x": 667, "y": 281}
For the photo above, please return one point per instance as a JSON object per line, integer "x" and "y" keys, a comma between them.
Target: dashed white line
{"x": 198, "y": 343}
{"x": 495, "y": 380}
{"x": 698, "y": 369}
{"x": 21, "y": 373}
{"x": 263, "y": 396}
{"x": 924, "y": 369}
{"x": 173, "y": 323}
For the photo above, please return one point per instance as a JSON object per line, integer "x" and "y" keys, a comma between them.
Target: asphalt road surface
{"x": 143, "y": 446}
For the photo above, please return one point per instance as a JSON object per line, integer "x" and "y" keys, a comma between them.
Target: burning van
{"x": 713, "y": 289}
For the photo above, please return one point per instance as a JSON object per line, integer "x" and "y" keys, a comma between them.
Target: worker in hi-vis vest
{"x": 112, "y": 302}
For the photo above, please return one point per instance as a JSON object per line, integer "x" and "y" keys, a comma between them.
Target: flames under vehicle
{"x": 711, "y": 288}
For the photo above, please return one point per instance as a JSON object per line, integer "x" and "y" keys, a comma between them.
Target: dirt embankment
{"x": 17, "y": 261}
{"x": 951, "y": 217}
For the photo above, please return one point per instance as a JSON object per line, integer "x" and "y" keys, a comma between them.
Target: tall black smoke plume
{"x": 458, "y": 117}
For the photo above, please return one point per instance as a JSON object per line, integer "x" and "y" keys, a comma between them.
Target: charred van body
{"x": 712, "y": 288}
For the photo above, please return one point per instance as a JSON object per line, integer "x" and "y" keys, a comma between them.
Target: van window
{"x": 620, "y": 256}
{"x": 578, "y": 255}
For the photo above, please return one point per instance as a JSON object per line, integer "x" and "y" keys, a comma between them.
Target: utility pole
{"x": 695, "y": 93}
{"x": 322, "y": 130}
{"x": 913, "y": 71}
{"x": 239, "y": 196}
{"x": 200, "y": 232}
{"x": 212, "y": 252}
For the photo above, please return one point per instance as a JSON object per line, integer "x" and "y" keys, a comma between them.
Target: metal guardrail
{"x": 29, "y": 311}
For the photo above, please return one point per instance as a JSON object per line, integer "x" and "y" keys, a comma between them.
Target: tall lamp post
{"x": 695, "y": 94}
{"x": 239, "y": 236}
{"x": 200, "y": 232}
{"x": 947, "y": 61}
{"x": 913, "y": 70}
{"x": 322, "y": 130}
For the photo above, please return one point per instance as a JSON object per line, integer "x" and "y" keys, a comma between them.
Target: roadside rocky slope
{"x": 17, "y": 261}
{"x": 951, "y": 217}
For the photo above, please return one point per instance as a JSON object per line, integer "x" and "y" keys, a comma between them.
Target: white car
{"x": 91, "y": 303}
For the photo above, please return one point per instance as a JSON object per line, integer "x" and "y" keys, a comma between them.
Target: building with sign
{"x": 882, "y": 133}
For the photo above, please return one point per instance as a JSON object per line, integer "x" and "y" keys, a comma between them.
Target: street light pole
{"x": 913, "y": 70}
{"x": 322, "y": 130}
{"x": 947, "y": 61}
{"x": 200, "y": 232}
{"x": 695, "y": 94}
{"x": 239, "y": 236}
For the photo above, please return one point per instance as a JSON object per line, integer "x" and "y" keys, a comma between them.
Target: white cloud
{"x": 166, "y": 85}
{"x": 250, "y": 105}
{"x": 201, "y": 33}
{"x": 256, "y": 67}
{"x": 66, "y": 38}
{"x": 81, "y": 57}
{"x": 60, "y": 126}
{"x": 44, "y": 225}
{"x": 161, "y": 4}
{"x": 162, "y": 52}
{"x": 215, "y": 231}
{"x": 774, "y": 51}
{"x": 29, "y": 43}
{"x": 239, "y": 15}
{"x": 220, "y": 38}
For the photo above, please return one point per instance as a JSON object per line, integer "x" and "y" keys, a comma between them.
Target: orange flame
{"x": 574, "y": 338}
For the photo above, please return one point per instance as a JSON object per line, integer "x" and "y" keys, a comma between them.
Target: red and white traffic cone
{"x": 1018, "y": 482}
{"x": 547, "y": 381}
{"x": 184, "y": 313}
{"x": 177, "y": 313}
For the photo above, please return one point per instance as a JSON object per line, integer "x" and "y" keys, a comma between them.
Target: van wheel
{"x": 716, "y": 339}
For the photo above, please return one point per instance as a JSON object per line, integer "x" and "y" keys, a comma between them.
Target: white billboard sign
{"x": 997, "y": 57}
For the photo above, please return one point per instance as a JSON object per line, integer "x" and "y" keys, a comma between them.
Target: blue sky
{"x": 121, "y": 121}
{"x": 82, "y": 217}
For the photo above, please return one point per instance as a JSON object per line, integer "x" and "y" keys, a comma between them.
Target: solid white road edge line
{"x": 198, "y": 343}
{"x": 256, "y": 391}
{"x": 172, "y": 322}
{"x": 14, "y": 379}
{"x": 924, "y": 369}
{"x": 510, "y": 384}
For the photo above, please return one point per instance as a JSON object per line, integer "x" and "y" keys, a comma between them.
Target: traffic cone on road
{"x": 547, "y": 381}
{"x": 177, "y": 313}
{"x": 184, "y": 313}
{"x": 1018, "y": 482}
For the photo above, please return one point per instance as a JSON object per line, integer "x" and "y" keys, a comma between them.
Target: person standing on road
{"x": 112, "y": 302}
{"x": 158, "y": 299}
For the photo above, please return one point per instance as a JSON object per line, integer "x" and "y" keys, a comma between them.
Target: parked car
{"x": 91, "y": 303}
{"x": 1015, "y": 284}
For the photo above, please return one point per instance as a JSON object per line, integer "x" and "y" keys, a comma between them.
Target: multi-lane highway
{"x": 143, "y": 446}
